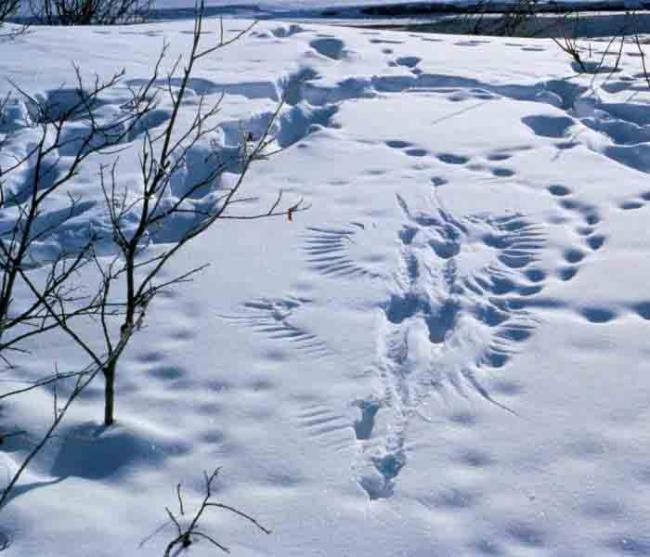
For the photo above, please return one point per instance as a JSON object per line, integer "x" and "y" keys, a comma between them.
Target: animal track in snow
{"x": 499, "y": 156}
{"x": 385, "y": 41}
{"x": 342, "y": 251}
{"x": 463, "y": 302}
{"x": 471, "y": 42}
{"x": 273, "y": 319}
{"x": 365, "y": 424}
{"x": 322, "y": 424}
{"x": 410, "y": 62}
{"x": 642, "y": 309}
{"x": 312, "y": 105}
{"x": 502, "y": 172}
{"x": 549, "y": 126}
{"x": 625, "y": 125}
{"x": 587, "y": 221}
{"x": 637, "y": 202}
{"x": 412, "y": 150}
{"x": 332, "y": 48}
{"x": 450, "y": 315}
{"x": 407, "y": 148}
{"x": 284, "y": 31}
{"x": 450, "y": 158}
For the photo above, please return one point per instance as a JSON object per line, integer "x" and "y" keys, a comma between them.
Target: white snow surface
{"x": 446, "y": 355}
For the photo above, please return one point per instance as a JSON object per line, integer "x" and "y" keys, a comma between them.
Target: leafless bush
{"x": 66, "y": 134}
{"x": 584, "y": 60}
{"x": 8, "y": 8}
{"x": 642, "y": 56}
{"x": 41, "y": 293}
{"x": 569, "y": 45}
{"x": 136, "y": 216}
{"x": 87, "y": 12}
{"x": 189, "y": 530}
{"x": 511, "y": 21}
{"x": 640, "y": 43}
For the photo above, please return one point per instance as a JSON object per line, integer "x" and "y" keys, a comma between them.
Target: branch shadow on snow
{"x": 107, "y": 453}
{"x": 97, "y": 453}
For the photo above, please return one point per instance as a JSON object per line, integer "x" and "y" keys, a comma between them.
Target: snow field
{"x": 445, "y": 355}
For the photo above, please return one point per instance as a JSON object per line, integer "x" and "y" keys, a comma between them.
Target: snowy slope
{"x": 444, "y": 356}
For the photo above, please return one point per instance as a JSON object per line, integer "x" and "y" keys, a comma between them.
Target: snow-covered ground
{"x": 444, "y": 356}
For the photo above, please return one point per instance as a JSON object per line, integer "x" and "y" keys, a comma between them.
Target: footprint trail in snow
{"x": 451, "y": 314}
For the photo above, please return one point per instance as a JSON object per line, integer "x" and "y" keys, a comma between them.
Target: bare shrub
{"x": 137, "y": 216}
{"x": 66, "y": 134}
{"x": 508, "y": 22}
{"x": 8, "y": 8}
{"x": 569, "y": 43}
{"x": 90, "y": 12}
{"x": 188, "y": 528}
{"x": 43, "y": 292}
{"x": 40, "y": 290}
{"x": 640, "y": 42}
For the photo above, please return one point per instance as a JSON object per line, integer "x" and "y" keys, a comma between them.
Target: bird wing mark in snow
{"x": 273, "y": 318}
{"x": 453, "y": 311}
{"x": 322, "y": 424}
{"x": 332, "y": 252}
